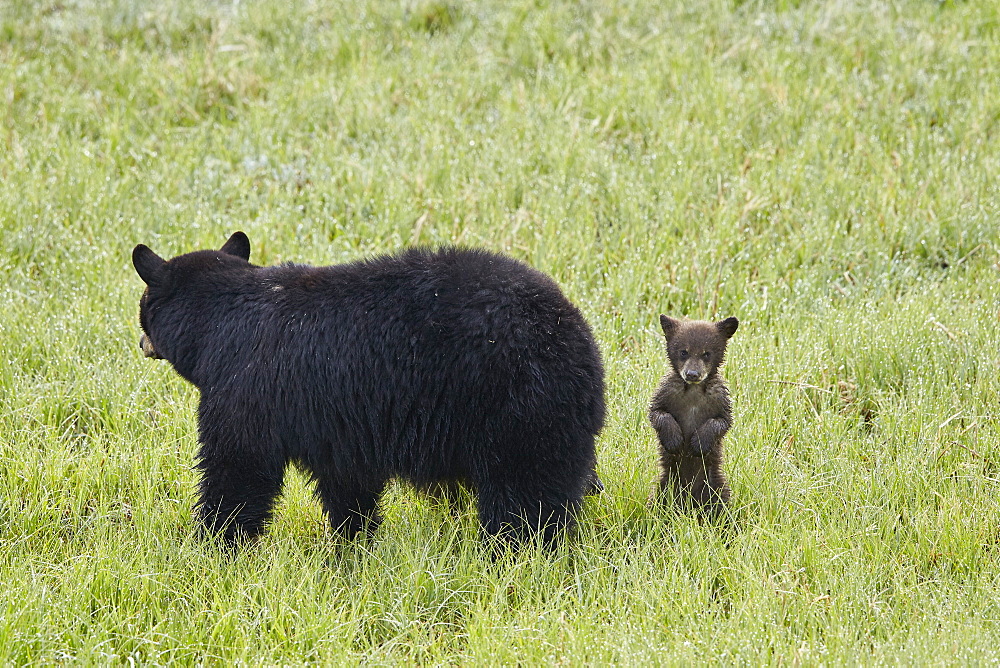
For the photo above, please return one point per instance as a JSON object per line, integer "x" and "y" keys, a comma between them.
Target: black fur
{"x": 436, "y": 367}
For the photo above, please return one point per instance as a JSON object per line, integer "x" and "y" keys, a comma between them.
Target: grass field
{"x": 828, "y": 172}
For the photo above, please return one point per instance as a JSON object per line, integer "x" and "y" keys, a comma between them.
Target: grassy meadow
{"x": 828, "y": 172}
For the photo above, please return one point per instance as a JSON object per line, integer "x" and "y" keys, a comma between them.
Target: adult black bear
{"x": 691, "y": 411}
{"x": 444, "y": 366}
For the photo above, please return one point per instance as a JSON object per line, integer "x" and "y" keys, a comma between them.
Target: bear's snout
{"x": 147, "y": 348}
{"x": 693, "y": 375}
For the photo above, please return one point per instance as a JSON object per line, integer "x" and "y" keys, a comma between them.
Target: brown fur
{"x": 691, "y": 412}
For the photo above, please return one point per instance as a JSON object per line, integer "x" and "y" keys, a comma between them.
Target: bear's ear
{"x": 237, "y": 245}
{"x": 669, "y": 326}
{"x": 727, "y": 327}
{"x": 147, "y": 264}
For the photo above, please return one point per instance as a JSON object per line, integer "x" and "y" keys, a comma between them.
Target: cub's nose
{"x": 691, "y": 376}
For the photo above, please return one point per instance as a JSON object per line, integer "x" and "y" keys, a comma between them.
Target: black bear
{"x": 454, "y": 366}
{"x": 691, "y": 411}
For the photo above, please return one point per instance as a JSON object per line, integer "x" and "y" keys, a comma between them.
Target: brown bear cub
{"x": 691, "y": 412}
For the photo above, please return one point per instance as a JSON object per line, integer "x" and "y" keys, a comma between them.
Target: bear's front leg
{"x": 237, "y": 496}
{"x": 667, "y": 430}
{"x": 242, "y": 465}
{"x": 709, "y": 435}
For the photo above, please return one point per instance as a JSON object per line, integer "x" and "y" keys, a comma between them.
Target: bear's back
{"x": 452, "y": 298}
{"x": 427, "y": 344}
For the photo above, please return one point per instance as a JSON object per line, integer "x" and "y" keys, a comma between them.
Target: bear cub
{"x": 691, "y": 412}
{"x": 437, "y": 367}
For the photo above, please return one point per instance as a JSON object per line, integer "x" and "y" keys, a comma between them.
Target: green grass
{"x": 827, "y": 172}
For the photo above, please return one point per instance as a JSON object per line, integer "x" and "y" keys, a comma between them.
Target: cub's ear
{"x": 237, "y": 245}
{"x": 669, "y": 326}
{"x": 147, "y": 264}
{"x": 727, "y": 327}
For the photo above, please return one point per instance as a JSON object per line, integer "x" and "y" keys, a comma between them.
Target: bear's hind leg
{"x": 694, "y": 480}
{"x": 716, "y": 494}
{"x": 594, "y": 485}
{"x": 533, "y": 483}
{"x": 350, "y": 508}
{"x": 517, "y": 502}
{"x": 515, "y": 513}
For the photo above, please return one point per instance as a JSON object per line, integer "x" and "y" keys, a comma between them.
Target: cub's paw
{"x": 672, "y": 443}
{"x": 701, "y": 444}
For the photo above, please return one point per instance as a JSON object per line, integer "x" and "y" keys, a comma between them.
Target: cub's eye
{"x": 684, "y": 354}
{"x": 706, "y": 356}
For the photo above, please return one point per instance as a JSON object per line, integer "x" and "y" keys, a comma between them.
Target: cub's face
{"x": 697, "y": 348}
